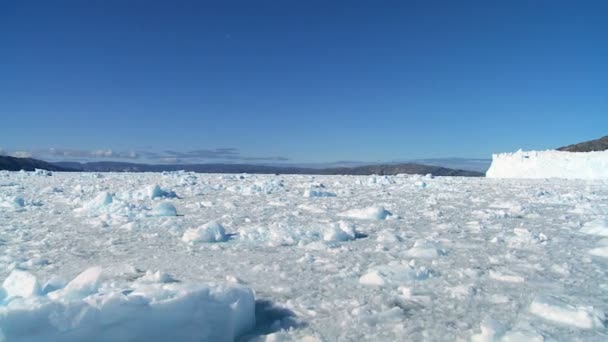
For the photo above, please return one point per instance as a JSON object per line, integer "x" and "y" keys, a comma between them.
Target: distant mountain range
{"x": 391, "y": 169}
{"x": 28, "y": 164}
{"x": 600, "y": 144}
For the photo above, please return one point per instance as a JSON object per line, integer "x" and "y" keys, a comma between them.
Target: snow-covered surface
{"x": 549, "y": 164}
{"x": 109, "y": 257}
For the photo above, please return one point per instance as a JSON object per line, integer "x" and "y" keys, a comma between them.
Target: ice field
{"x": 208, "y": 257}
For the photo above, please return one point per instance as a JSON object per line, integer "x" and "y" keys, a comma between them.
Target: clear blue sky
{"x": 310, "y": 81}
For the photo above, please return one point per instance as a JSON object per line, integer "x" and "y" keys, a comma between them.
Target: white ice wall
{"x": 549, "y": 164}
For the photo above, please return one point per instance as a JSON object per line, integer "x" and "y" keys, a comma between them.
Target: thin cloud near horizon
{"x": 166, "y": 156}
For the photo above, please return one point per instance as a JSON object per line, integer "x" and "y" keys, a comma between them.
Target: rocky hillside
{"x": 600, "y": 144}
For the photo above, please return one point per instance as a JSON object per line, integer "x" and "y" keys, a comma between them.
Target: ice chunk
{"x": 395, "y": 274}
{"x": 318, "y": 193}
{"x": 155, "y": 191}
{"x": 559, "y": 311}
{"x": 42, "y": 172}
{"x": 373, "y": 278}
{"x": 597, "y": 227}
{"x": 380, "y": 180}
{"x": 507, "y": 277}
{"x": 18, "y": 201}
{"x": 490, "y": 331}
{"x": 164, "y": 209}
{"x": 386, "y": 236}
{"x": 84, "y": 284}
{"x": 600, "y": 251}
{"x": 157, "y": 277}
{"x": 102, "y": 199}
{"x": 425, "y": 250}
{"x": 132, "y": 312}
{"x": 340, "y": 231}
{"x": 369, "y": 213}
{"x": 53, "y": 284}
{"x": 20, "y": 284}
{"x": 420, "y": 184}
{"x": 209, "y": 232}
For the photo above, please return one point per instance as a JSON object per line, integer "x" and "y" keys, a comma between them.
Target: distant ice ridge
{"x": 550, "y": 164}
{"x": 92, "y": 307}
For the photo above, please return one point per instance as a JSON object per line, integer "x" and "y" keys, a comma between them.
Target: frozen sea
{"x": 184, "y": 256}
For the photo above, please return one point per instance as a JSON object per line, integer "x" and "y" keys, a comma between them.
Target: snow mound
{"x": 369, "y": 213}
{"x": 93, "y": 308}
{"x": 209, "y": 232}
{"x": 549, "y": 164}
{"x": 556, "y": 310}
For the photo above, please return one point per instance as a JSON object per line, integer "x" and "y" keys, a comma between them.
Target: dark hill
{"x": 600, "y": 144}
{"x": 27, "y": 164}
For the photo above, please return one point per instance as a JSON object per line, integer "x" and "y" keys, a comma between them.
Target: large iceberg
{"x": 550, "y": 164}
